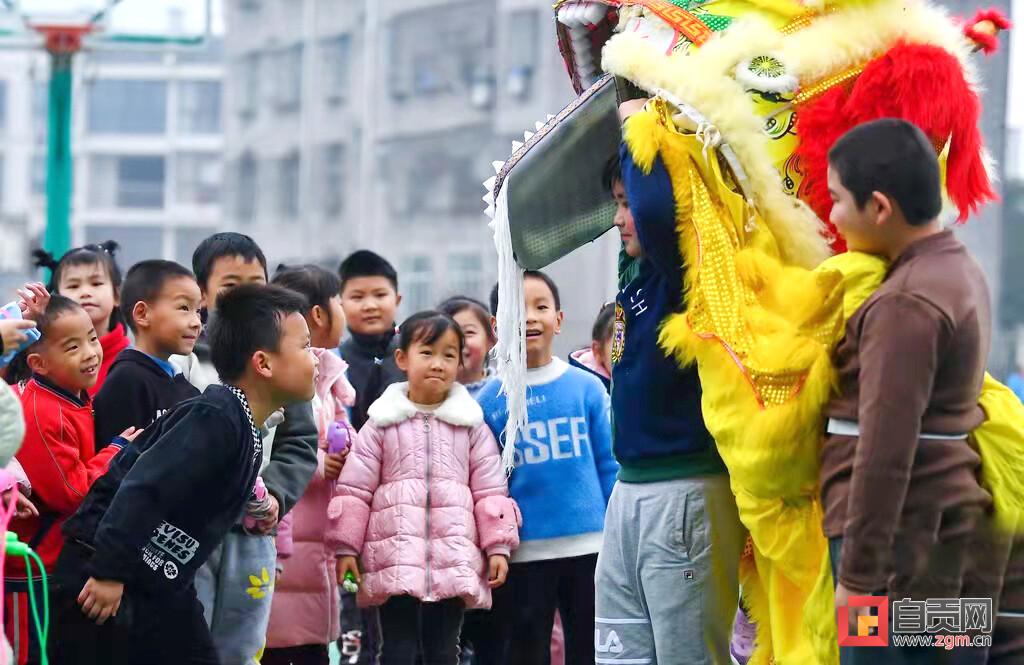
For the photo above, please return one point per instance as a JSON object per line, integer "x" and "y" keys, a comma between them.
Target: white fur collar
{"x": 393, "y": 407}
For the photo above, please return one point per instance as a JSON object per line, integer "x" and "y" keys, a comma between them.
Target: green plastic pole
{"x": 57, "y": 239}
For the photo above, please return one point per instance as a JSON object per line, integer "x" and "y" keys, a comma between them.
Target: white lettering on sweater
{"x": 555, "y": 439}
{"x": 175, "y": 542}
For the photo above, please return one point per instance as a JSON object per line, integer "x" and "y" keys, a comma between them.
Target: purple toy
{"x": 337, "y": 437}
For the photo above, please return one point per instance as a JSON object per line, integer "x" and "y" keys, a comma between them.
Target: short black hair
{"x": 144, "y": 282}
{"x": 248, "y": 319}
{"x": 57, "y": 307}
{"x": 101, "y": 254}
{"x": 364, "y": 263}
{"x": 219, "y": 245}
{"x": 893, "y": 157}
{"x": 536, "y": 274}
{"x": 317, "y": 284}
{"x": 456, "y": 304}
{"x": 612, "y": 173}
{"x": 426, "y": 328}
{"x": 604, "y": 323}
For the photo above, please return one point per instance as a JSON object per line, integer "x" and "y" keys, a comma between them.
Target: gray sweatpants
{"x": 667, "y": 576}
{"x": 235, "y": 587}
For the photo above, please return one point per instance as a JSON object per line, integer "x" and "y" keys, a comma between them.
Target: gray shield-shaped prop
{"x": 557, "y": 201}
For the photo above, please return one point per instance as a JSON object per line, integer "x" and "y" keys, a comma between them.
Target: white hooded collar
{"x": 394, "y": 406}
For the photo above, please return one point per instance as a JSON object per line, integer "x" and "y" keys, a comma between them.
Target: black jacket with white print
{"x": 169, "y": 499}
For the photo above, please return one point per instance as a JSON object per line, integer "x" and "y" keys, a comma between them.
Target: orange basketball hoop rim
{"x": 64, "y": 38}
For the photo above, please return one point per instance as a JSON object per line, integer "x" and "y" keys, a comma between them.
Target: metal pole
{"x": 57, "y": 239}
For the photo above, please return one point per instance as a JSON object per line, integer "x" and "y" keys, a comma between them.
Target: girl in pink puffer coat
{"x": 304, "y": 614}
{"x": 423, "y": 503}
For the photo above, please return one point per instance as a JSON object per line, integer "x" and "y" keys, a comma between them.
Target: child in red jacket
{"x": 59, "y": 452}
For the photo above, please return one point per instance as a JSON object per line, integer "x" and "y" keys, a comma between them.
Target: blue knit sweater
{"x": 564, "y": 465}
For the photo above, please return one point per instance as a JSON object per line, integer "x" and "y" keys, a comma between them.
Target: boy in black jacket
{"x": 369, "y": 296}
{"x": 160, "y": 303}
{"x": 146, "y": 527}
{"x": 237, "y": 583}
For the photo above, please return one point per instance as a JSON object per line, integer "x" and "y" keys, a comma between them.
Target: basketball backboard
{"x": 132, "y": 21}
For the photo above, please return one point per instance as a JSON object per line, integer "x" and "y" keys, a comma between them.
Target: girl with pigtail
{"x": 90, "y": 276}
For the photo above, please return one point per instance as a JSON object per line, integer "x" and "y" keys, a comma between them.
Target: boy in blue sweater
{"x": 667, "y": 578}
{"x": 564, "y": 473}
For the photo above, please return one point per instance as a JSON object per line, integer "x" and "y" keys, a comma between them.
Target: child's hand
{"x": 498, "y": 573}
{"x": 267, "y": 524}
{"x": 348, "y": 564}
{"x": 100, "y": 599}
{"x": 25, "y": 508}
{"x": 631, "y": 107}
{"x": 12, "y": 332}
{"x": 34, "y": 299}
{"x": 131, "y": 434}
{"x": 333, "y": 463}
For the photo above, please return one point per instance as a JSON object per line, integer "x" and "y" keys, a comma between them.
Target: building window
{"x": 38, "y": 175}
{"x": 466, "y": 274}
{"x": 249, "y": 85}
{"x": 246, "y": 189}
{"x": 40, "y": 112}
{"x": 417, "y": 279}
{"x": 122, "y": 181}
{"x": 199, "y": 177}
{"x": 523, "y": 48}
{"x": 332, "y": 180}
{"x": 287, "y": 94}
{"x": 199, "y": 107}
{"x": 138, "y": 243}
{"x": 437, "y": 176}
{"x": 127, "y": 107}
{"x": 186, "y": 240}
{"x": 336, "y": 67}
{"x": 3, "y": 106}
{"x": 458, "y": 60}
{"x": 288, "y": 187}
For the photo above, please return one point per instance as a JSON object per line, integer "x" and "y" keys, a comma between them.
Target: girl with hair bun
{"x": 90, "y": 276}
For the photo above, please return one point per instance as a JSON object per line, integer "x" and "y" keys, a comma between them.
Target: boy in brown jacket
{"x": 899, "y": 479}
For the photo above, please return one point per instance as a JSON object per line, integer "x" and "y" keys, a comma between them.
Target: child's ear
{"x": 261, "y": 363}
{"x": 37, "y": 363}
{"x": 494, "y": 326}
{"x": 882, "y": 207}
{"x": 558, "y": 322}
{"x": 318, "y": 316}
{"x": 140, "y": 314}
{"x": 398, "y": 299}
{"x": 402, "y": 360}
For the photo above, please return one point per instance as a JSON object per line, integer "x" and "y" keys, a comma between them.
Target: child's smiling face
{"x": 69, "y": 354}
{"x": 543, "y": 321}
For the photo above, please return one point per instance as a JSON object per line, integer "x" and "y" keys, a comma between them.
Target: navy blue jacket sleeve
{"x": 653, "y": 205}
